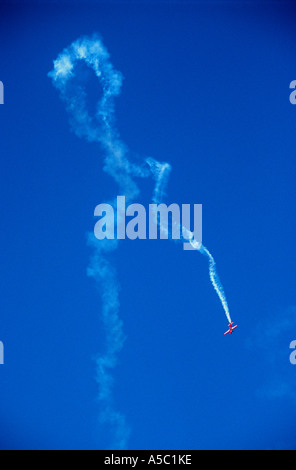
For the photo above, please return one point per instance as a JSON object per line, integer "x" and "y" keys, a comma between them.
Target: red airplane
{"x": 231, "y": 328}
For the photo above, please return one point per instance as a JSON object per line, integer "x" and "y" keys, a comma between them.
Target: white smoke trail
{"x": 161, "y": 173}
{"x": 105, "y": 276}
{"x": 101, "y": 128}
{"x": 215, "y": 280}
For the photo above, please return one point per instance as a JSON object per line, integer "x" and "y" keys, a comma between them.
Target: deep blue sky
{"x": 206, "y": 88}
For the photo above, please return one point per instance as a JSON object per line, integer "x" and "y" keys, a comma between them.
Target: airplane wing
{"x": 228, "y": 331}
